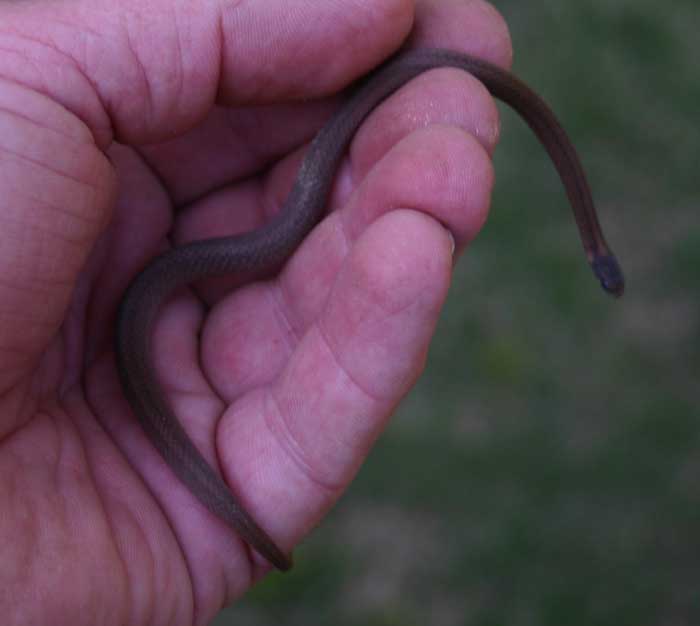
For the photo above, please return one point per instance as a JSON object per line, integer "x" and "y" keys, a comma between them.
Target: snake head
{"x": 608, "y": 272}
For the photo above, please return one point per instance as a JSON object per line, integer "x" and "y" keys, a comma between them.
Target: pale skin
{"x": 284, "y": 384}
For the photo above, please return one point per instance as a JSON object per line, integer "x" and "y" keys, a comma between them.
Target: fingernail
{"x": 452, "y": 242}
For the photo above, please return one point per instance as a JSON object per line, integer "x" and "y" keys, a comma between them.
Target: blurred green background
{"x": 546, "y": 469}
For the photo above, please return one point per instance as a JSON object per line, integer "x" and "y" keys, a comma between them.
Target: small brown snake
{"x": 270, "y": 245}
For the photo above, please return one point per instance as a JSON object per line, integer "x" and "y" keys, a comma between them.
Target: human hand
{"x": 291, "y": 379}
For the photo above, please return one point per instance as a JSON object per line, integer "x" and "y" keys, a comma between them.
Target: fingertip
{"x": 472, "y": 26}
{"x": 443, "y": 171}
{"x": 387, "y": 300}
{"x": 299, "y": 64}
{"x": 441, "y": 97}
{"x": 402, "y": 253}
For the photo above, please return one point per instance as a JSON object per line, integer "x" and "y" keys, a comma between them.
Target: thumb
{"x": 147, "y": 70}
{"x": 76, "y": 75}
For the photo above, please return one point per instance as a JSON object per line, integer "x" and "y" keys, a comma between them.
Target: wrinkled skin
{"x": 129, "y": 126}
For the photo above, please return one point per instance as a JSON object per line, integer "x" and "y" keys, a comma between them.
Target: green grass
{"x": 546, "y": 469}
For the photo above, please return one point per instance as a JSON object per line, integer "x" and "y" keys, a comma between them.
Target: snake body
{"x": 269, "y": 246}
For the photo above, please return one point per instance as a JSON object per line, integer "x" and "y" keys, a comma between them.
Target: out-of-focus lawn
{"x": 546, "y": 469}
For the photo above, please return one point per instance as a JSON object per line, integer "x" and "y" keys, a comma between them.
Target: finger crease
{"x": 282, "y": 434}
{"x": 346, "y": 372}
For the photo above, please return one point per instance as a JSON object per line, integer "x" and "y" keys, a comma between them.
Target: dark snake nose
{"x": 608, "y": 271}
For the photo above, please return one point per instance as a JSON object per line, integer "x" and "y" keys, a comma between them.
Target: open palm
{"x": 129, "y": 127}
